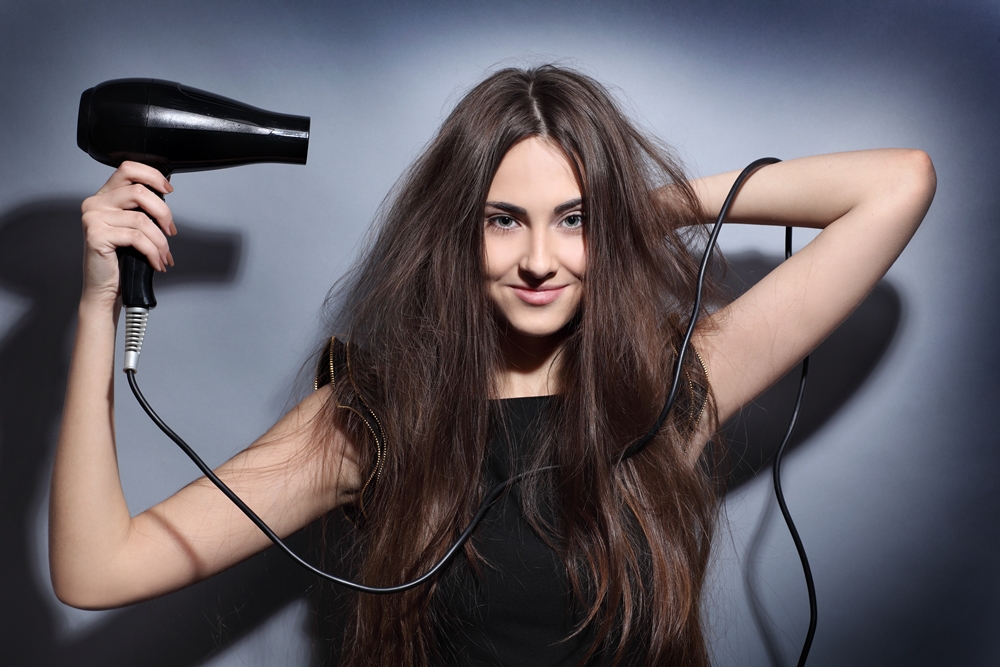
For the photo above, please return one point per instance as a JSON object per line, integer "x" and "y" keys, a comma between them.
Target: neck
{"x": 529, "y": 365}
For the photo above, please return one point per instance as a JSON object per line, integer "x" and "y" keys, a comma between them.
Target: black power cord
{"x": 498, "y": 490}
{"x": 780, "y": 496}
{"x": 713, "y": 238}
{"x": 488, "y": 501}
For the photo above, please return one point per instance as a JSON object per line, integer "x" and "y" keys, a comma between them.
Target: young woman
{"x": 519, "y": 308}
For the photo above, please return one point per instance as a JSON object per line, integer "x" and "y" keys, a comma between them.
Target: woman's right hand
{"x": 126, "y": 211}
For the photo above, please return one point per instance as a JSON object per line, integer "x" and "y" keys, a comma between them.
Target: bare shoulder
{"x": 309, "y": 448}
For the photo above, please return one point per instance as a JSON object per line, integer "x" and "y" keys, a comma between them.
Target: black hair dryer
{"x": 175, "y": 128}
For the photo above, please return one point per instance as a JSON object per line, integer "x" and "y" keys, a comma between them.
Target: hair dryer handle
{"x": 136, "y": 275}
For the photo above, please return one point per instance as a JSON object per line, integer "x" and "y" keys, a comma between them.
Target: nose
{"x": 539, "y": 261}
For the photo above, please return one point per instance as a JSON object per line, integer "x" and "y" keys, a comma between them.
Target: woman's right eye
{"x": 503, "y": 221}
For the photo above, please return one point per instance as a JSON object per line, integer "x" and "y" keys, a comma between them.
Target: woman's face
{"x": 535, "y": 255}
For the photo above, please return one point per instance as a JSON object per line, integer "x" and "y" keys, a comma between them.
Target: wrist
{"x": 99, "y": 306}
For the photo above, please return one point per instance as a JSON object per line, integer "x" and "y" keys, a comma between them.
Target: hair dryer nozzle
{"x": 176, "y": 128}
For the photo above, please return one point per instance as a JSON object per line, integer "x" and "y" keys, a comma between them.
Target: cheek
{"x": 500, "y": 257}
{"x": 574, "y": 257}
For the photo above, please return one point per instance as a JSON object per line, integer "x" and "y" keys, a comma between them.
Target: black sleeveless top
{"x": 518, "y": 608}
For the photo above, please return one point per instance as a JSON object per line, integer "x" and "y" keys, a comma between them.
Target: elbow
{"x": 75, "y": 593}
{"x": 918, "y": 178}
{"x": 84, "y": 590}
{"x": 80, "y": 597}
{"x": 905, "y": 190}
{"x": 64, "y": 584}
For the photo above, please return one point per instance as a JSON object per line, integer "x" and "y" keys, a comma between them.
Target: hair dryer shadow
{"x": 40, "y": 247}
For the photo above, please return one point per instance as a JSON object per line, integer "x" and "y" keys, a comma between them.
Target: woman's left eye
{"x": 574, "y": 221}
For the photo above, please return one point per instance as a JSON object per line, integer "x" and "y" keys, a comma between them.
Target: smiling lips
{"x": 538, "y": 297}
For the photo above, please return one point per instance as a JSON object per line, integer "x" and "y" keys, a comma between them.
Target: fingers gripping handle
{"x": 135, "y": 275}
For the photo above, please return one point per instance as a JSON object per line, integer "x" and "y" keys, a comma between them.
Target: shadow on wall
{"x": 837, "y": 369}
{"x": 39, "y": 260}
{"x": 40, "y": 248}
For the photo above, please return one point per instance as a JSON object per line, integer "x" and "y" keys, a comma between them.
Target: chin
{"x": 559, "y": 327}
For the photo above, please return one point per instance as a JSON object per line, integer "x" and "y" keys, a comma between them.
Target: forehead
{"x": 537, "y": 171}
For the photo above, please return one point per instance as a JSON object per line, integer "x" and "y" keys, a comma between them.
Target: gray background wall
{"x": 895, "y": 494}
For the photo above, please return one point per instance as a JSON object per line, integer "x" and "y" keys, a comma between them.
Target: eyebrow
{"x": 517, "y": 210}
{"x": 569, "y": 205}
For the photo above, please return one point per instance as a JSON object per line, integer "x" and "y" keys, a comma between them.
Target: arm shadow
{"x": 39, "y": 260}
{"x": 40, "y": 251}
{"x": 837, "y": 369}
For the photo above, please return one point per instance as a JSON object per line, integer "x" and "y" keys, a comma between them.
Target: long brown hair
{"x": 424, "y": 344}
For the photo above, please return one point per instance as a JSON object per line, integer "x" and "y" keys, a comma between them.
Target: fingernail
{"x": 170, "y": 188}
{"x": 173, "y": 228}
{"x": 170, "y": 258}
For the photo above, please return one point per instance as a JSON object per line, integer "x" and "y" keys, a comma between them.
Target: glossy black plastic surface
{"x": 136, "y": 276}
{"x": 176, "y": 128}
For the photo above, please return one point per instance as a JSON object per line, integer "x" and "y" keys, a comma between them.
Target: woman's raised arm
{"x": 99, "y": 555}
{"x": 868, "y": 204}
